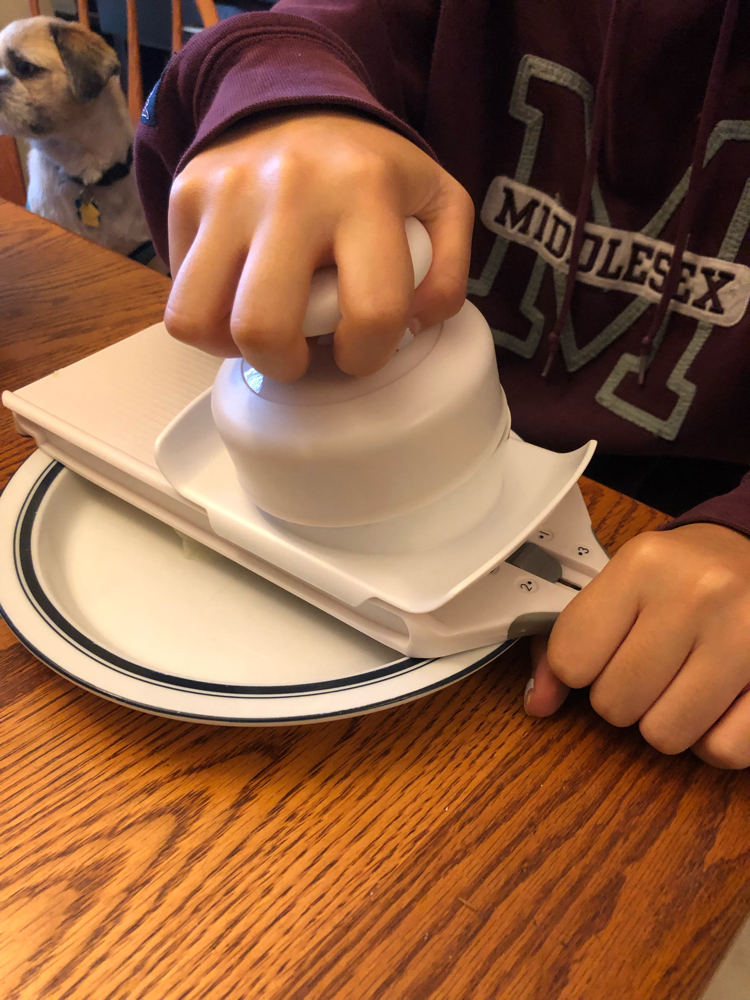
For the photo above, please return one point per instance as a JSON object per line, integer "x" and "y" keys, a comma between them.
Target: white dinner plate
{"x": 120, "y": 604}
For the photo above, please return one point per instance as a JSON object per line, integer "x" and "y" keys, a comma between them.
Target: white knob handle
{"x": 323, "y": 313}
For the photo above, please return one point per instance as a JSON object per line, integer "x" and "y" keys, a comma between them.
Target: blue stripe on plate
{"x": 28, "y": 578}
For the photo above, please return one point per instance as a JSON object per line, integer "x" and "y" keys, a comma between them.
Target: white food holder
{"x": 331, "y": 450}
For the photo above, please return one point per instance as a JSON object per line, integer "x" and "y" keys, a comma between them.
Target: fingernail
{"x": 527, "y": 691}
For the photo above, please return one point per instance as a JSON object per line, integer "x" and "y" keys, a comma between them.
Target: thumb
{"x": 544, "y": 692}
{"x": 448, "y": 217}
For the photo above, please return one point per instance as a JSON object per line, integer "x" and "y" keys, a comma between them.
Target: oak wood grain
{"x": 451, "y": 849}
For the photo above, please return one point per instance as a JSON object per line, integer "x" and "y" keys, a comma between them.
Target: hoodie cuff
{"x": 732, "y": 510}
{"x": 270, "y": 68}
{"x": 247, "y": 65}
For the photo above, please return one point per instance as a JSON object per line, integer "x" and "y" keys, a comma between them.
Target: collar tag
{"x": 88, "y": 211}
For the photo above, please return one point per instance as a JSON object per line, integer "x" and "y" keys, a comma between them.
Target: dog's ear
{"x": 89, "y": 61}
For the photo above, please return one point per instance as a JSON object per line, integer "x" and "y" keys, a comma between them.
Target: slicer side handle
{"x": 323, "y": 313}
{"x": 506, "y": 603}
{"x": 567, "y": 534}
{"x": 523, "y": 595}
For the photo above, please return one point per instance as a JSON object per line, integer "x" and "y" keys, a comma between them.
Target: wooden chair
{"x": 12, "y": 186}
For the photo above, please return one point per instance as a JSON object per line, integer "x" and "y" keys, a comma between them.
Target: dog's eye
{"x": 25, "y": 70}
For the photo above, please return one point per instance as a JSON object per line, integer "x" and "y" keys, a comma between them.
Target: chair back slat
{"x": 207, "y": 11}
{"x": 176, "y": 26}
{"x": 83, "y": 13}
{"x": 135, "y": 84}
{"x": 12, "y": 184}
{"x": 34, "y": 8}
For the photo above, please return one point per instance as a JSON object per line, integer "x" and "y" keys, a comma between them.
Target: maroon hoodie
{"x": 502, "y": 93}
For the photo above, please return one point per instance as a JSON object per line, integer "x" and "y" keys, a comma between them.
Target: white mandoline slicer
{"x": 400, "y": 503}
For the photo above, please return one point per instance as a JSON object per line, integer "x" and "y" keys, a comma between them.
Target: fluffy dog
{"x": 60, "y": 90}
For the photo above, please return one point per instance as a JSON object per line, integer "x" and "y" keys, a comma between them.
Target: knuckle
{"x": 186, "y": 191}
{"x": 182, "y": 327}
{"x": 377, "y": 317}
{"x": 465, "y": 203}
{"x": 269, "y": 344}
{"x": 665, "y": 737}
{"x": 716, "y": 582}
{"x": 221, "y": 181}
{"x": 565, "y": 664}
{"x": 725, "y": 750}
{"x": 610, "y": 708}
{"x": 254, "y": 337}
{"x": 644, "y": 552}
{"x": 449, "y": 294}
{"x": 360, "y": 368}
{"x": 289, "y": 172}
{"x": 211, "y": 337}
{"x": 347, "y": 165}
{"x": 228, "y": 177}
{"x": 344, "y": 173}
{"x": 734, "y": 758}
{"x": 365, "y": 169}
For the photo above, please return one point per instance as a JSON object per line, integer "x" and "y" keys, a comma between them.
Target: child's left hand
{"x": 662, "y": 635}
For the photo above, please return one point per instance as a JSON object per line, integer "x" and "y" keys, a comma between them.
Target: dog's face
{"x": 48, "y": 69}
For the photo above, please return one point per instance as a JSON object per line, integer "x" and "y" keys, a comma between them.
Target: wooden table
{"x": 452, "y": 849}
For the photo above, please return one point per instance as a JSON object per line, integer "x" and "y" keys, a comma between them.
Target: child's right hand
{"x": 253, "y": 216}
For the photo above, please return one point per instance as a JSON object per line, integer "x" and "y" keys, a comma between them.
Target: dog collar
{"x": 114, "y": 173}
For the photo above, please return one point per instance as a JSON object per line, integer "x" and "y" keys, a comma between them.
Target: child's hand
{"x": 252, "y": 217}
{"x": 663, "y": 637}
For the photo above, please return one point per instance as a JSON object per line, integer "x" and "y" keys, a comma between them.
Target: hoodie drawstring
{"x": 589, "y": 173}
{"x": 705, "y": 124}
{"x": 687, "y": 212}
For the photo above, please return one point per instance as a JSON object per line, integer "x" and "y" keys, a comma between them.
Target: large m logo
{"x": 519, "y": 224}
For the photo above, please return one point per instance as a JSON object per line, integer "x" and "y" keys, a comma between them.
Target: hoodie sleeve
{"x": 732, "y": 510}
{"x": 372, "y": 56}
